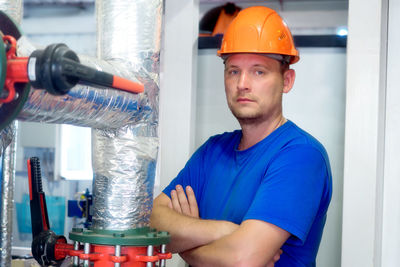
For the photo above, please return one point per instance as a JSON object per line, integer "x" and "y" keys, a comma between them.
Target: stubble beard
{"x": 246, "y": 117}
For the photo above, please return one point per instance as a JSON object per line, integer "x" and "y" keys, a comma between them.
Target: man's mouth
{"x": 244, "y": 100}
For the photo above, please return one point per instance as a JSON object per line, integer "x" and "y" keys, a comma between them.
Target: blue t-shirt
{"x": 285, "y": 179}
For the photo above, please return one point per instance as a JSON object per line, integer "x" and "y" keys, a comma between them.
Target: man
{"x": 247, "y": 196}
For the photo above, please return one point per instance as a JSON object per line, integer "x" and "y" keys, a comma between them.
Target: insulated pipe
{"x": 7, "y": 150}
{"x": 124, "y": 159}
{"x": 7, "y": 201}
{"x": 83, "y": 105}
{"x": 86, "y": 105}
{"x": 90, "y": 106}
{"x": 6, "y": 137}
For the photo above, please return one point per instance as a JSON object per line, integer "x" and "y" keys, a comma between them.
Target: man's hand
{"x": 181, "y": 221}
{"x": 182, "y": 204}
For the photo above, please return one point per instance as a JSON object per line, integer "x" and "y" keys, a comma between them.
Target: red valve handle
{"x": 17, "y": 69}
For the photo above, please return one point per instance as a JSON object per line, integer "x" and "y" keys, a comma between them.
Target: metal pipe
{"x": 117, "y": 253}
{"x": 6, "y": 137}
{"x": 7, "y": 149}
{"x": 7, "y": 201}
{"x": 76, "y": 258}
{"x": 124, "y": 159}
{"x": 86, "y": 105}
{"x": 150, "y": 251}
{"x": 100, "y": 108}
{"x": 86, "y": 250}
{"x": 163, "y": 250}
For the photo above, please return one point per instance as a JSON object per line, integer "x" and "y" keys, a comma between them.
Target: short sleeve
{"x": 292, "y": 190}
{"x": 192, "y": 173}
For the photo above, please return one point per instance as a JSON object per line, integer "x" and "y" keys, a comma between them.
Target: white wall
{"x": 371, "y": 214}
{"x": 391, "y": 198}
{"x": 317, "y": 104}
{"x": 177, "y": 91}
{"x": 213, "y": 115}
{"x": 365, "y": 111}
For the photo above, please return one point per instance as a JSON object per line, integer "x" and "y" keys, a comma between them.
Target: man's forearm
{"x": 254, "y": 243}
{"x": 222, "y": 254}
{"x": 188, "y": 232}
{"x": 208, "y": 255}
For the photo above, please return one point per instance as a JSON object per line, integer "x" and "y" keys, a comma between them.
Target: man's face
{"x": 254, "y": 85}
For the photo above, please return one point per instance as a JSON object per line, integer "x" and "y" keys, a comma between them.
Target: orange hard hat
{"x": 261, "y": 30}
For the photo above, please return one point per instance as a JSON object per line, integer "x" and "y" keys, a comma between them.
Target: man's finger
{"x": 194, "y": 208}
{"x": 175, "y": 202}
{"x": 277, "y": 256}
{"x": 182, "y": 200}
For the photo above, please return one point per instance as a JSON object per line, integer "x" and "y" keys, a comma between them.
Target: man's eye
{"x": 233, "y": 72}
{"x": 259, "y": 72}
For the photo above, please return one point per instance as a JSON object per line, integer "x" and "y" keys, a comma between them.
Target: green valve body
{"x": 139, "y": 237}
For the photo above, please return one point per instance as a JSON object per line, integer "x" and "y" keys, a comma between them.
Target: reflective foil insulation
{"x": 7, "y": 199}
{"x": 7, "y": 151}
{"x": 6, "y": 137}
{"x": 124, "y": 159}
{"x": 84, "y": 105}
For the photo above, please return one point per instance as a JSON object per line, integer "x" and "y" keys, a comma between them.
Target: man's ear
{"x": 288, "y": 80}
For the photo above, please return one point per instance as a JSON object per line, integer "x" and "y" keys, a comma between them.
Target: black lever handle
{"x": 39, "y": 216}
{"x": 45, "y": 241}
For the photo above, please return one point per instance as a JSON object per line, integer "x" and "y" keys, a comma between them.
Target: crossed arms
{"x": 214, "y": 243}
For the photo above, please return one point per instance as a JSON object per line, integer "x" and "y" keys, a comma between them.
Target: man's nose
{"x": 243, "y": 83}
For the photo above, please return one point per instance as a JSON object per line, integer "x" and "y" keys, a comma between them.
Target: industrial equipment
{"x": 55, "y": 69}
{"x": 133, "y": 248}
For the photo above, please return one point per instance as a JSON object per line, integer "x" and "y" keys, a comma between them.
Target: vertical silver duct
{"x": 7, "y": 150}
{"x": 6, "y": 137}
{"x": 124, "y": 160}
{"x": 7, "y": 200}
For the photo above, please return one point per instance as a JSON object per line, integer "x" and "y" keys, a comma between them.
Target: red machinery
{"x": 103, "y": 248}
